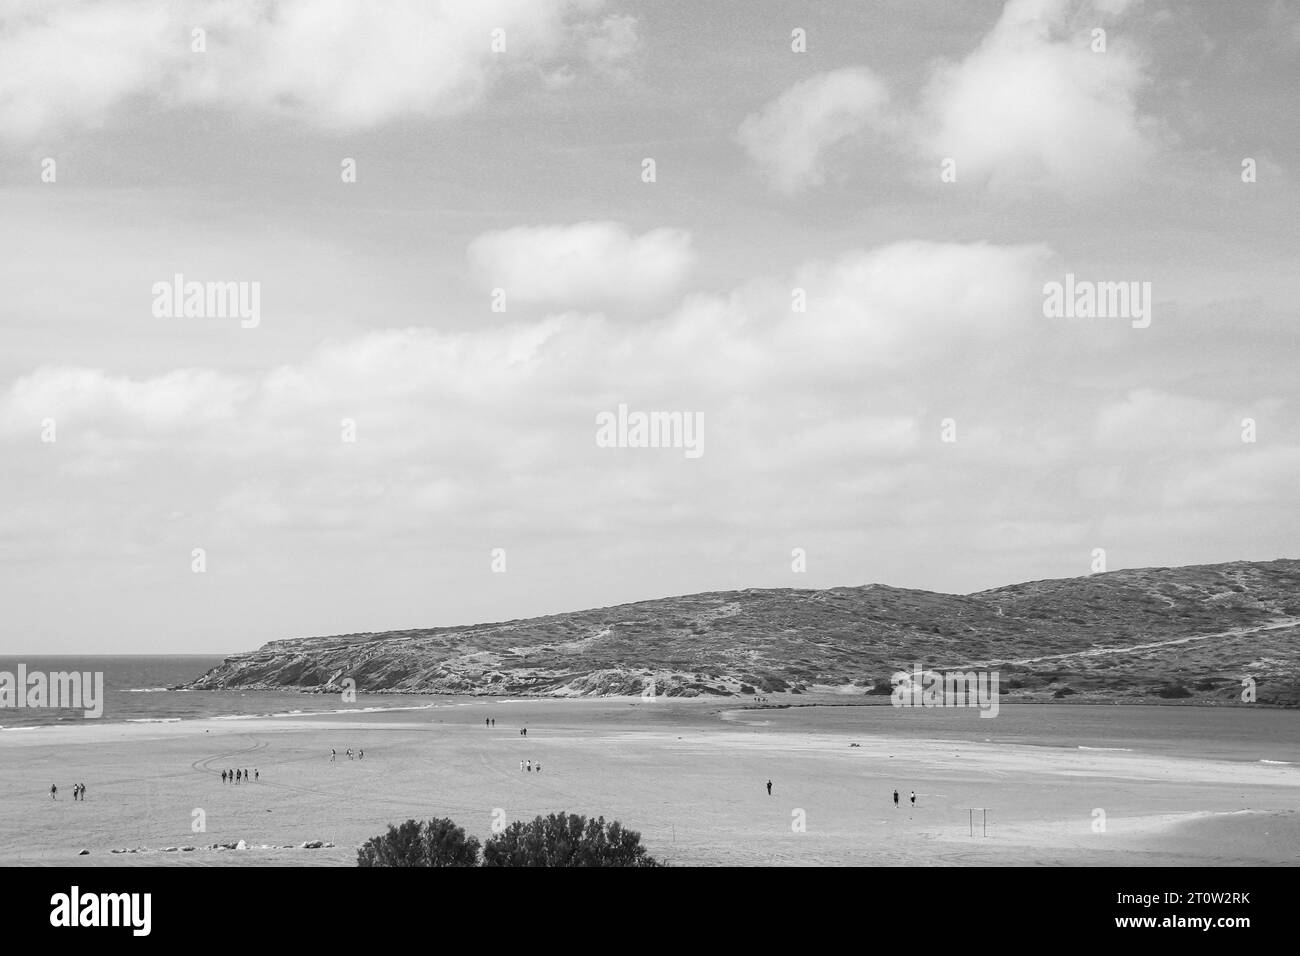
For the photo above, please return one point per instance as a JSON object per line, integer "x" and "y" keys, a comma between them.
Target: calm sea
{"x": 136, "y": 689}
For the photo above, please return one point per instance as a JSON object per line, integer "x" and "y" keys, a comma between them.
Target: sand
{"x": 689, "y": 775}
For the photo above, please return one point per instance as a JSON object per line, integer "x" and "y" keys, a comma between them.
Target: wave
{"x": 1127, "y": 750}
{"x": 153, "y": 720}
{"x": 319, "y": 713}
{"x": 1284, "y": 763}
{"x": 144, "y": 690}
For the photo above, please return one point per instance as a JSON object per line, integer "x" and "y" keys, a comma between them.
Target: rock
{"x": 187, "y": 849}
{"x": 170, "y": 849}
{"x": 241, "y": 845}
{"x": 83, "y": 853}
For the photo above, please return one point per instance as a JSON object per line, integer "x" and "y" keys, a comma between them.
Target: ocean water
{"x": 136, "y": 689}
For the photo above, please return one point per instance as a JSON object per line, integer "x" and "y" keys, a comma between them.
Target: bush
{"x": 436, "y": 843}
{"x": 566, "y": 840}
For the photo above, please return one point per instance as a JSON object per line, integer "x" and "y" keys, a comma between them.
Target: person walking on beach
{"x": 521, "y": 766}
{"x": 257, "y": 774}
{"x": 769, "y": 788}
{"x": 53, "y": 791}
{"x": 494, "y": 721}
{"x": 913, "y": 798}
{"x": 539, "y": 766}
{"x": 223, "y": 776}
{"x": 530, "y": 766}
{"x": 361, "y": 755}
{"x": 895, "y": 799}
{"x": 333, "y": 753}
{"x": 82, "y": 787}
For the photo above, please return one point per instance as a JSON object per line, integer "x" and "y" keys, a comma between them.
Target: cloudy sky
{"x": 920, "y": 171}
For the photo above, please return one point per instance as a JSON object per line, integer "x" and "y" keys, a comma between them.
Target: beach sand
{"x": 689, "y": 775}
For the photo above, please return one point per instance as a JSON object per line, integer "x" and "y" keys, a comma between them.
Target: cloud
{"x": 790, "y": 137}
{"x": 1033, "y": 106}
{"x": 821, "y": 430}
{"x": 1152, "y": 421}
{"x": 336, "y": 64}
{"x": 609, "y": 43}
{"x": 572, "y": 266}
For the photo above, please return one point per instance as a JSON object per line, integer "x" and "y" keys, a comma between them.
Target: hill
{"x": 1190, "y": 633}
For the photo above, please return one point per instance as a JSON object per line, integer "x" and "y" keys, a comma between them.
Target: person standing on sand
{"x": 913, "y": 798}
{"x": 769, "y": 788}
{"x": 530, "y": 766}
{"x": 83, "y": 792}
{"x": 333, "y": 753}
{"x": 895, "y": 799}
{"x": 257, "y": 775}
{"x": 53, "y": 790}
{"x": 361, "y": 755}
{"x": 223, "y": 776}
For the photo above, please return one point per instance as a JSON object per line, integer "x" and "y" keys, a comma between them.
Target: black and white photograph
{"x": 649, "y": 433}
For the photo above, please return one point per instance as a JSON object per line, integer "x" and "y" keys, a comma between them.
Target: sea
{"x": 141, "y": 689}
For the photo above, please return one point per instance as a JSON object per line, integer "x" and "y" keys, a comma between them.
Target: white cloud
{"x": 333, "y": 63}
{"x": 576, "y": 265}
{"x": 1033, "y": 106}
{"x": 789, "y": 138}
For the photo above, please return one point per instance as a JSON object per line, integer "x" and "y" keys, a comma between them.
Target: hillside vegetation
{"x": 1153, "y": 634}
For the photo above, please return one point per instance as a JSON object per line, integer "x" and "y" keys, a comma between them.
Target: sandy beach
{"x": 689, "y": 775}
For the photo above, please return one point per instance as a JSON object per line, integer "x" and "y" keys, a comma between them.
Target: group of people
{"x": 489, "y": 721}
{"x": 769, "y": 792}
{"x": 78, "y": 791}
{"x": 529, "y": 766}
{"x": 238, "y": 776}
{"x": 359, "y": 755}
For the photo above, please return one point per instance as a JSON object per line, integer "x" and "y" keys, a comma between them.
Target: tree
{"x": 566, "y": 840}
{"x": 445, "y": 844}
{"x": 436, "y": 843}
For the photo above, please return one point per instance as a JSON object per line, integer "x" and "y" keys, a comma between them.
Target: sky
{"x": 837, "y": 261}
